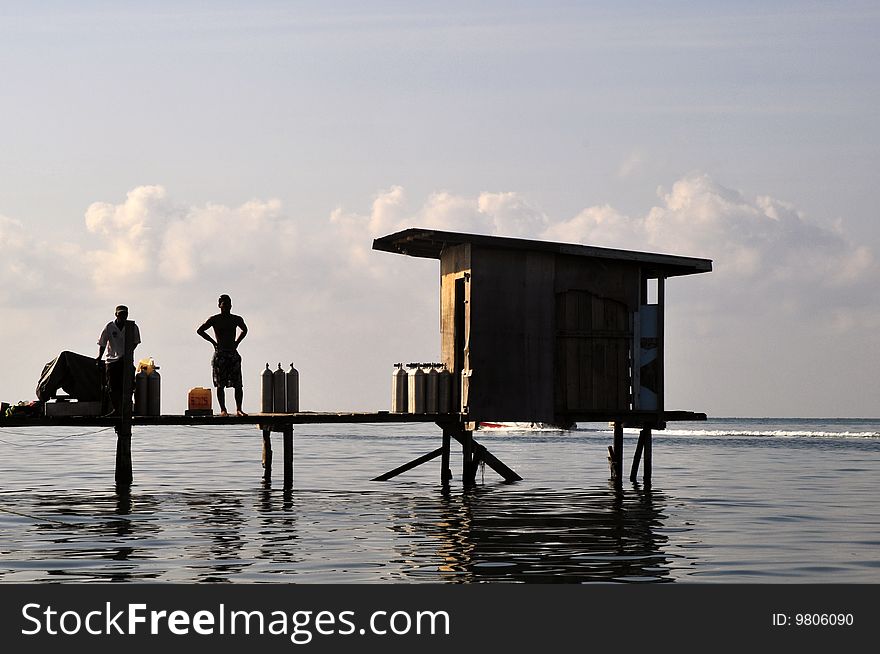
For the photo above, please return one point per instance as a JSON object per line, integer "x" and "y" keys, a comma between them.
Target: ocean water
{"x": 732, "y": 501}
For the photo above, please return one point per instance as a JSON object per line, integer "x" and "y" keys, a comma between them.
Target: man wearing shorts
{"x": 229, "y": 331}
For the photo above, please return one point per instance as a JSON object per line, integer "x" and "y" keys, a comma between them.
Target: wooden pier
{"x": 453, "y": 426}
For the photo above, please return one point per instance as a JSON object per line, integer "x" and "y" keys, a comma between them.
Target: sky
{"x": 158, "y": 154}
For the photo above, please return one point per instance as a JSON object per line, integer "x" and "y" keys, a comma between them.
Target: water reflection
{"x": 489, "y": 533}
{"x": 218, "y": 524}
{"x": 82, "y": 536}
{"x": 277, "y": 529}
{"x": 544, "y": 536}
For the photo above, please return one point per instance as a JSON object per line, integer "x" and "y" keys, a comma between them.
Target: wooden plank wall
{"x": 455, "y": 261}
{"x": 595, "y": 302}
{"x": 593, "y": 342}
{"x": 512, "y": 335}
{"x": 544, "y": 334}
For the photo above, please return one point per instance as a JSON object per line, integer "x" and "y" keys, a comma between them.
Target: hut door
{"x": 593, "y": 340}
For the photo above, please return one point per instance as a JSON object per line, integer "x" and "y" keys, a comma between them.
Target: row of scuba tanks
{"x": 421, "y": 388}
{"x": 280, "y": 390}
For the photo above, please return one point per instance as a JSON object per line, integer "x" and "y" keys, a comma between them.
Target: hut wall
{"x": 455, "y": 274}
{"x": 511, "y": 339}
{"x": 536, "y": 336}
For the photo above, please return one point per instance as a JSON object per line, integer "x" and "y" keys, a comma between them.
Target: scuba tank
{"x": 399, "y": 390}
{"x": 154, "y": 393}
{"x": 416, "y": 388}
{"x": 266, "y": 388}
{"x": 292, "y": 390}
{"x": 279, "y": 397}
{"x": 140, "y": 393}
{"x": 444, "y": 390}
{"x": 432, "y": 389}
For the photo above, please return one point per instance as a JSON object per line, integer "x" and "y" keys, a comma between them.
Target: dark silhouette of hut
{"x": 550, "y": 332}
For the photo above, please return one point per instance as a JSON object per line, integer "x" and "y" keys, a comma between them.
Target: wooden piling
{"x": 646, "y": 471}
{"x": 634, "y": 471}
{"x": 267, "y": 454}
{"x": 445, "y": 472}
{"x": 468, "y": 470}
{"x": 288, "y": 455}
{"x": 617, "y": 471}
{"x": 124, "y": 475}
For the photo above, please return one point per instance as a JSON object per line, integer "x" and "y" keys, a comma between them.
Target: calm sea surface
{"x": 745, "y": 500}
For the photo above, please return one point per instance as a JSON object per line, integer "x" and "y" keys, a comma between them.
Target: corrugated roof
{"x": 429, "y": 244}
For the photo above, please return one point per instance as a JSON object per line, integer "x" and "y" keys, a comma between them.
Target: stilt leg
{"x": 288, "y": 456}
{"x": 123, "y": 455}
{"x": 267, "y": 454}
{"x": 646, "y": 472}
{"x": 445, "y": 472}
{"x": 634, "y": 472}
{"x": 468, "y": 472}
{"x": 617, "y": 473}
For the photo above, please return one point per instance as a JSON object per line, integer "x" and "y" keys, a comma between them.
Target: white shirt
{"x": 114, "y": 338}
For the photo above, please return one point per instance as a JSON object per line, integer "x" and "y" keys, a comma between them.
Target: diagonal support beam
{"x": 482, "y": 454}
{"x": 409, "y": 466}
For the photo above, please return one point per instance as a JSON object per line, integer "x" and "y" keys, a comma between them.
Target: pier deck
{"x": 270, "y": 419}
{"x": 627, "y": 419}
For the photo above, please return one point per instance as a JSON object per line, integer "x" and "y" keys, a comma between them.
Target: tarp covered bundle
{"x": 76, "y": 374}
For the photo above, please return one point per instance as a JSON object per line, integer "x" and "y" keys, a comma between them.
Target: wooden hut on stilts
{"x": 547, "y": 332}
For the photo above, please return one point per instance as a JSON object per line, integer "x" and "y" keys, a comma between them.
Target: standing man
{"x": 226, "y": 363}
{"x": 120, "y": 337}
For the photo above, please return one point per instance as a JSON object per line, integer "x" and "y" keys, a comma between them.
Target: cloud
{"x": 129, "y": 234}
{"x": 35, "y": 272}
{"x": 512, "y": 215}
{"x": 630, "y": 166}
{"x": 765, "y": 251}
{"x": 149, "y": 240}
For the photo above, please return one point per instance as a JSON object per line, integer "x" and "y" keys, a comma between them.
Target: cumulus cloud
{"x": 35, "y": 271}
{"x": 150, "y": 240}
{"x": 761, "y": 246}
{"x": 128, "y": 231}
{"x": 765, "y": 250}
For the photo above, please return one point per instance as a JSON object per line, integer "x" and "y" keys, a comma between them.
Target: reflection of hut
{"x": 550, "y": 332}
{"x": 538, "y": 537}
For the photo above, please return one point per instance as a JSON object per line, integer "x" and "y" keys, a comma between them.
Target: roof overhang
{"x": 430, "y": 243}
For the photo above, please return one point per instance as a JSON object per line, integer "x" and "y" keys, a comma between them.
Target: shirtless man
{"x": 226, "y": 362}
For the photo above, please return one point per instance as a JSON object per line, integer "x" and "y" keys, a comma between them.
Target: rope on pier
{"x": 51, "y": 440}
